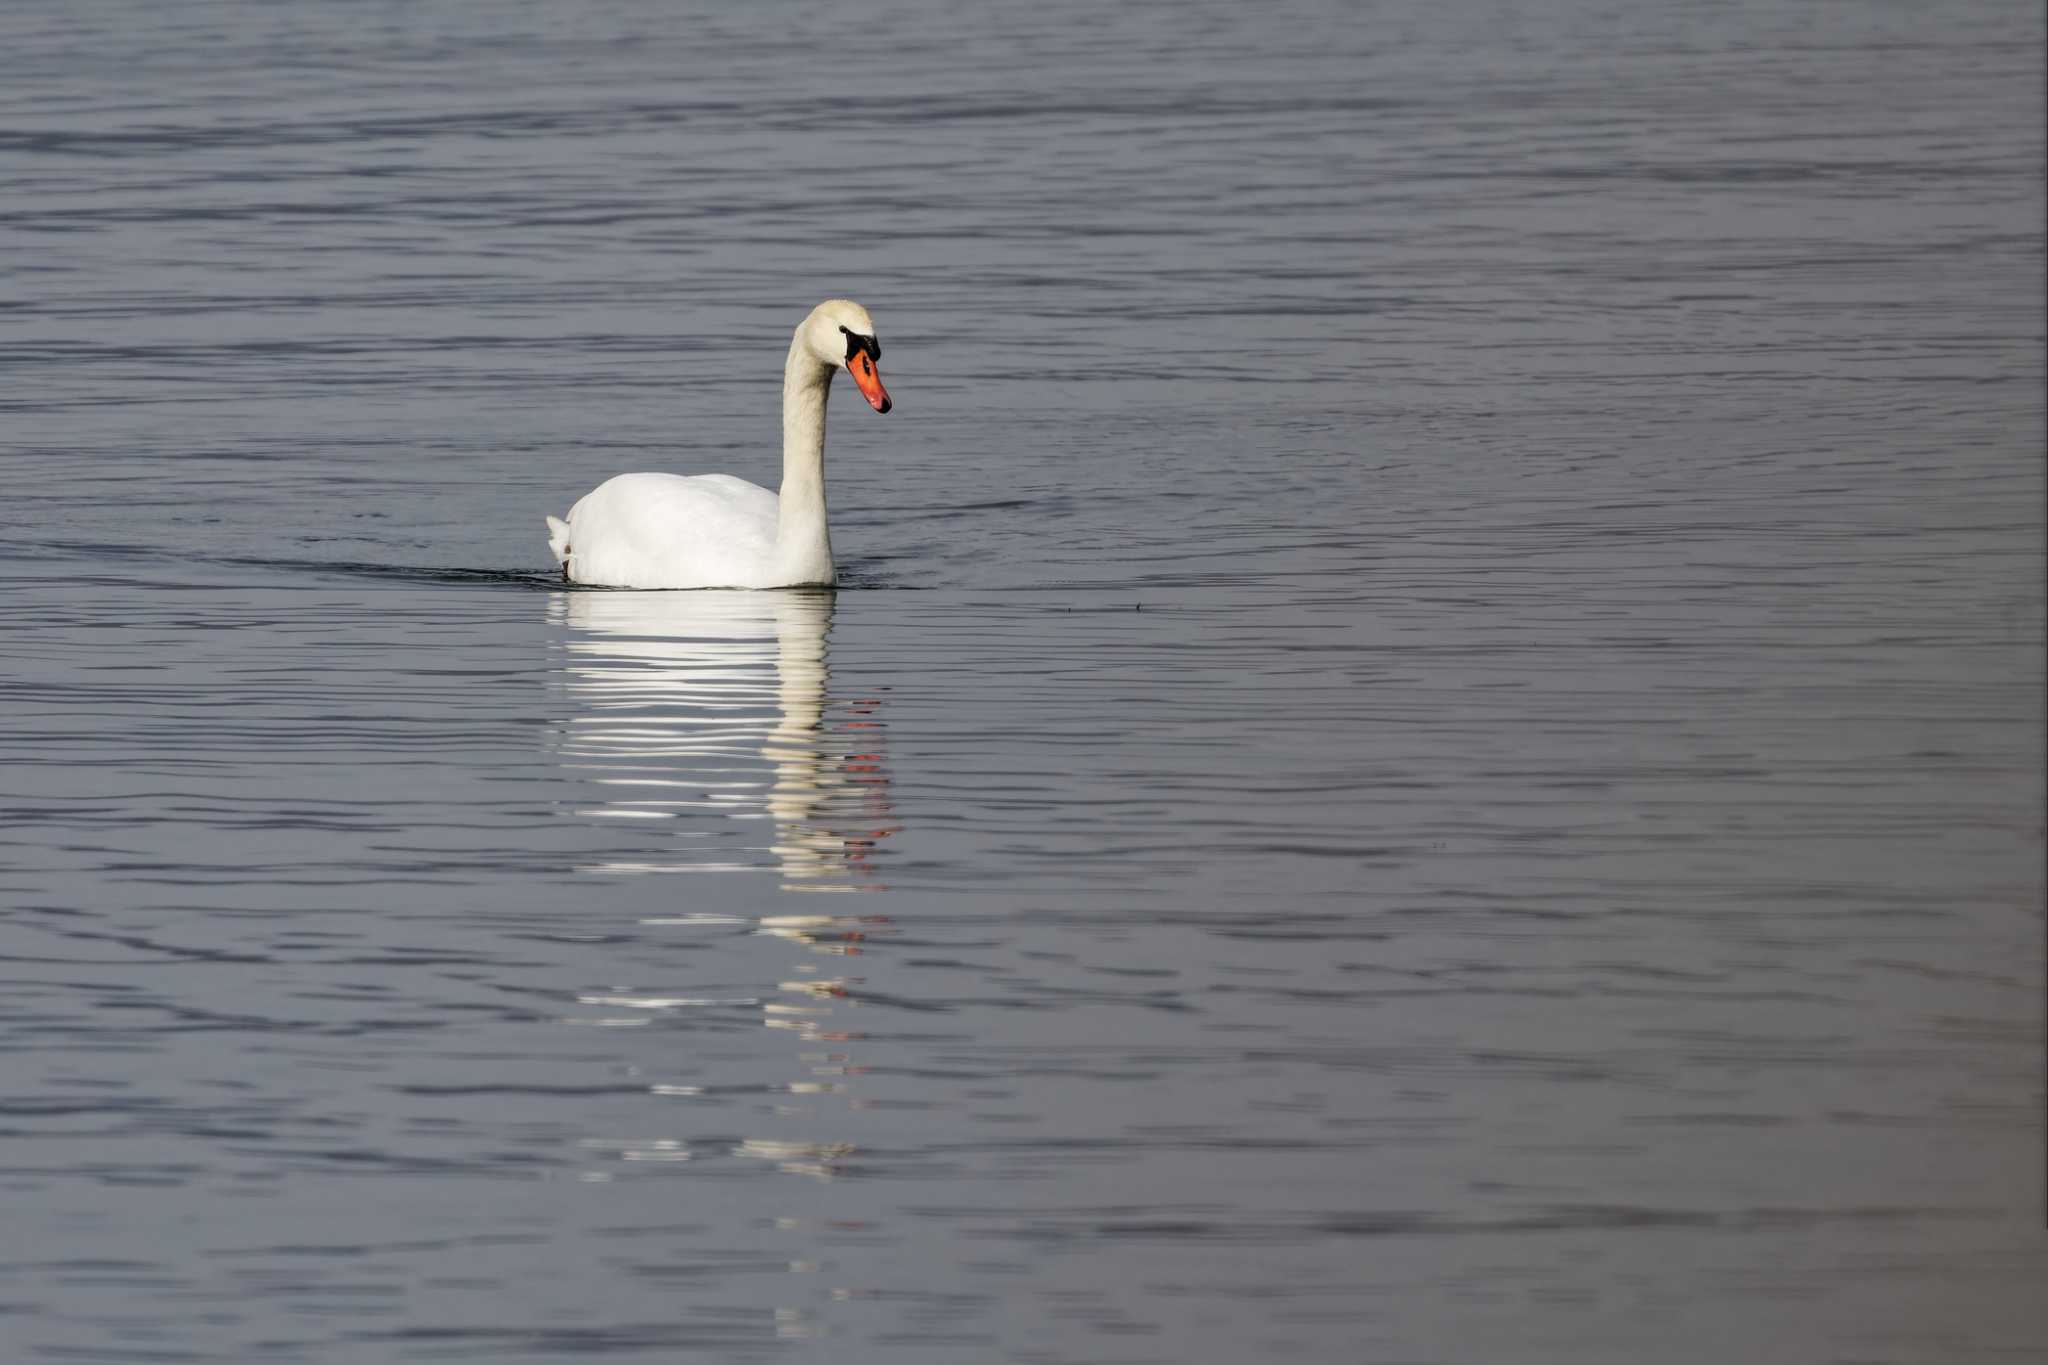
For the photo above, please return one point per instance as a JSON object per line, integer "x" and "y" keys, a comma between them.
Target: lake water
{"x": 1430, "y": 750}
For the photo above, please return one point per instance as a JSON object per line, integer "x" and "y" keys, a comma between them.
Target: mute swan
{"x": 716, "y": 531}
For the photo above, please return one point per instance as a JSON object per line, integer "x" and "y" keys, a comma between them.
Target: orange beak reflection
{"x": 862, "y": 367}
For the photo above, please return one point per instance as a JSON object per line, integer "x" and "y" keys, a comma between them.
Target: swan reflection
{"x": 705, "y": 736}
{"x": 711, "y": 712}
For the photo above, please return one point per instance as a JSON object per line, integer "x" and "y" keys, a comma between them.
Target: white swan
{"x": 716, "y": 531}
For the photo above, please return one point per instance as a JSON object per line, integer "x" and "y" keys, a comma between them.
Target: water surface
{"x": 1430, "y": 748}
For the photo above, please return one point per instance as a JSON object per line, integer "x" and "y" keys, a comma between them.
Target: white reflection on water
{"x": 707, "y": 720}
{"x": 711, "y": 710}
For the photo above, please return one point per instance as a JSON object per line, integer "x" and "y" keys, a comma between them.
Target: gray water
{"x": 1429, "y": 751}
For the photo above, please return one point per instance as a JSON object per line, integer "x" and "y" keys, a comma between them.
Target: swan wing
{"x": 669, "y": 531}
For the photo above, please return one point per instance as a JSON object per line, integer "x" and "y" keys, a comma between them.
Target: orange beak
{"x": 862, "y": 367}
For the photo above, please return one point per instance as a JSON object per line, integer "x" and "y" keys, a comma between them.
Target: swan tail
{"x": 558, "y": 541}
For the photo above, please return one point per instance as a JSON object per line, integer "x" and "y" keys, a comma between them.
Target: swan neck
{"x": 803, "y": 543}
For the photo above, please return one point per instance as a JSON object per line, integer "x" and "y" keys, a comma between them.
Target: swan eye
{"x": 856, "y": 343}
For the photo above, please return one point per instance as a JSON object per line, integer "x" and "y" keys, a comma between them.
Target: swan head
{"x": 840, "y": 334}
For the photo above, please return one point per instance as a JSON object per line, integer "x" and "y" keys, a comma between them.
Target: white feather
{"x": 667, "y": 531}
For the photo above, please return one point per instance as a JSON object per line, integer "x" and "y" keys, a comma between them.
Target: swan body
{"x": 667, "y": 531}
{"x": 717, "y": 531}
